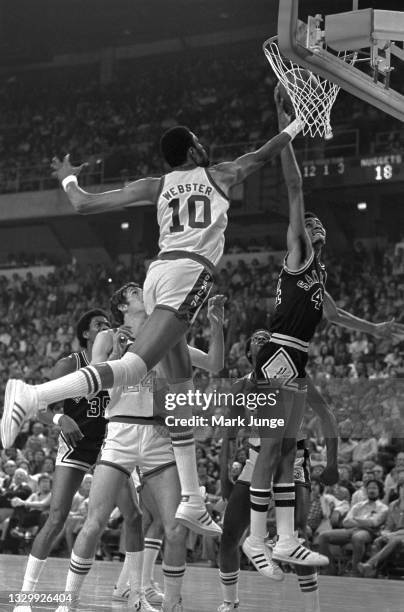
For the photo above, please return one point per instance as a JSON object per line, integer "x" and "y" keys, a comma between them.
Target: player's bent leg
{"x": 165, "y": 488}
{"x": 254, "y": 546}
{"x": 153, "y": 540}
{"x": 134, "y": 547}
{"x": 66, "y": 482}
{"x": 235, "y": 521}
{"x": 110, "y": 479}
{"x": 306, "y": 576}
{"x": 161, "y": 331}
{"x": 191, "y": 512}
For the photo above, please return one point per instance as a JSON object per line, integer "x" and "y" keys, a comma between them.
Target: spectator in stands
{"x": 366, "y": 448}
{"x": 345, "y": 478}
{"x": 391, "y": 539}
{"x": 31, "y": 512}
{"x": 392, "y": 477}
{"x": 346, "y": 444}
{"x": 360, "y": 527}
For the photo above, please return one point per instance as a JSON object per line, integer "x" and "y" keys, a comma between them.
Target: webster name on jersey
{"x": 192, "y": 214}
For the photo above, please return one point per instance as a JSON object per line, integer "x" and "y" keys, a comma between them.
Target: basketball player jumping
{"x": 192, "y": 203}
{"x": 281, "y": 363}
{"x": 237, "y": 515}
{"x": 134, "y": 439}
{"x": 82, "y": 425}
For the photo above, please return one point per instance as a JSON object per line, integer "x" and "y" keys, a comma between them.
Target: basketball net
{"x": 312, "y": 98}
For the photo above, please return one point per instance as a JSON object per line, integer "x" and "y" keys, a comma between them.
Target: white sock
{"x": 131, "y": 369}
{"x": 78, "y": 570}
{"x": 284, "y": 496}
{"x": 310, "y": 594}
{"x": 32, "y": 572}
{"x": 229, "y": 583}
{"x": 151, "y": 550}
{"x": 123, "y": 578}
{"x": 135, "y": 563}
{"x": 184, "y": 453}
{"x": 173, "y": 577}
{"x": 259, "y": 503}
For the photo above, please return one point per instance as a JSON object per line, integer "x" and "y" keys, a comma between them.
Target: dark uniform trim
{"x": 215, "y": 185}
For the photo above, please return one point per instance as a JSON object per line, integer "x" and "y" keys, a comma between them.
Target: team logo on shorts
{"x": 280, "y": 367}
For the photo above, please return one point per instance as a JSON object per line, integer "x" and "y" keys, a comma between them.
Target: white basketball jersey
{"x": 132, "y": 401}
{"x": 192, "y": 214}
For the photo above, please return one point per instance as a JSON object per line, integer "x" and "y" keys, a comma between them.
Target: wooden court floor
{"x": 202, "y": 591}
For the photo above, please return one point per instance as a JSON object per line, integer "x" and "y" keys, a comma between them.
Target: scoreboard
{"x": 345, "y": 171}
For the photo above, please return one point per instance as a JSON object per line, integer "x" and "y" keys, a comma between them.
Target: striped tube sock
{"x": 32, "y": 572}
{"x": 259, "y": 503}
{"x": 152, "y": 548}
{"x": 91, "y": 379}
{"x": 78, "y": 570}
{"x": 284, "y": 497}
{"x": 310, "y": 594}
{"x": 184, "y": 452}
{"x": 229, "y": 583}
{"x": 173, "y": 577}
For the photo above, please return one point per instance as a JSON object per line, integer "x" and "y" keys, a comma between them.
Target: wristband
{"x": 293, "y": 129}
{"x": 70, "y": 179}
{"x": 57, "y": 417}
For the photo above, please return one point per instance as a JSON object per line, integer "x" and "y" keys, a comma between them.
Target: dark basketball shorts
{"x": 282, "y": 363}
{"x": 83, "y": 456}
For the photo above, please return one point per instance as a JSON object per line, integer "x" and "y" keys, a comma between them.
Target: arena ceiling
{"x": 37, "y": 30}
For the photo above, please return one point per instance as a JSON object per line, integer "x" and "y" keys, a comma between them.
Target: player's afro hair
{"x": 84, "y": 322}
{"x": 118, "y": 298}
{"x": 310, "y": 215}
{"x": 174, "y": 145}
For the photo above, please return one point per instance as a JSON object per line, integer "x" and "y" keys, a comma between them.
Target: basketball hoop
{"x": 312, "y": 97}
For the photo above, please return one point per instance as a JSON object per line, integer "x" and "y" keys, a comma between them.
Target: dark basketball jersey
{"x": 299, "y": 301}
{"x": 88, "y": 413}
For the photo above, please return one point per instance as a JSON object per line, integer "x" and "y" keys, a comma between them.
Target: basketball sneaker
{"x": 121, "y": 594}
{"x": 20, "y": 403}
{"x": 192, "y": 513}
{"x": 260, "y": 556}
{"x": 153, "y": 595}
{"x": 226, "y": 606}
{"x": 137, "y": 602}
{"x": 170, "y": 606}
{"x": 290, "y": 550}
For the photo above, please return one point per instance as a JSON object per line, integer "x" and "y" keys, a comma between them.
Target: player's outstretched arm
{"x": 338, "y": 316}
{"x": 227, "y": 174}
{"x": 213, "y": 360}
{"x": 299, "y": 246}
{"x": 138, "y": 193}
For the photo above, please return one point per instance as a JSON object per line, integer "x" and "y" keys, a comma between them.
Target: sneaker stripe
{"x": 18, "y": 407}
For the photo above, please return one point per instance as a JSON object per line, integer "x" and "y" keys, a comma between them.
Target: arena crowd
{"x": 360, "y": 376}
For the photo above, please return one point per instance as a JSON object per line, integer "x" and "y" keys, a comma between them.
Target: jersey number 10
{"x": 192, "y": 201}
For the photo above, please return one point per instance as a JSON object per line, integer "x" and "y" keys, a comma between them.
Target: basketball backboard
{"x": 315, "y": 47}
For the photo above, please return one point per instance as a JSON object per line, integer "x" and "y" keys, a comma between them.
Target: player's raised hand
{"x": 216, "y": 310}
{"x": 70, "y": 430}
{"x": 284, "y": 118}
{"x": 389, "y": 329}
{"x": 120, "y": 340}
{"x": 62, "y": 169}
